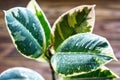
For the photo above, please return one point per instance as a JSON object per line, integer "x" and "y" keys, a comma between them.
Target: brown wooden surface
{"x": 107, "y": 25}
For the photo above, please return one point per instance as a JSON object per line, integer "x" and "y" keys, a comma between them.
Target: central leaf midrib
{"x": 82, "y": 20}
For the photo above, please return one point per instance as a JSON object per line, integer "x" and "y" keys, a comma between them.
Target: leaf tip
{"x": 4, "y": 11}
{"x": 94, "y": 5}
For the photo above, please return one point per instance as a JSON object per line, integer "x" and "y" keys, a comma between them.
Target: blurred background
{"x": 107, "y": 24}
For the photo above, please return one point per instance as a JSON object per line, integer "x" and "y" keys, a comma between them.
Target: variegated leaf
{"x": 82, "y": 53}
{"x": 26, "y": 31}
{"x": 78, "y": 20}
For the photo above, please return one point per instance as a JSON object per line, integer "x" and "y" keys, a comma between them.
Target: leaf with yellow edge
{"x": 102, "y": 73}
{"x": 77, "y": 20}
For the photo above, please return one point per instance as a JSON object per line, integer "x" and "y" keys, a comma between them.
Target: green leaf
{"x": 81, "y": 53}
{"x": 102, "y": 73}
{"x": 87, "y": 42}
{"x": 34, "y": 7}
{"x": 71, "y": 63}
{"x": 20, "y": 73}
{"x": 26, "y": 31}
{"x": 78, "y": 20}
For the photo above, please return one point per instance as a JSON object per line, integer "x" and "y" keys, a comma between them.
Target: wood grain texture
{"x": 107, "y": 25}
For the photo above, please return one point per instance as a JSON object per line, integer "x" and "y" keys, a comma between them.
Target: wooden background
{"x": 107, "y": 25}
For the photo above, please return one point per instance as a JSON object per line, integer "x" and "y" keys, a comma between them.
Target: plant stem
{"x": 49, "y": 55}
{"x": 52, "y": 72}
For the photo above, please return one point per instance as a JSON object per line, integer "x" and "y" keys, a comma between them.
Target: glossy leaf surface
{"x": 81, "y": 53}
{"x": 78, "y": 20}
{"x": 20, "y": 73}
{"x": 70, "y": 63}
{"x": 35, "y": 8}
{"x": 87, "y": 42}
{"x": 26, "y": 31}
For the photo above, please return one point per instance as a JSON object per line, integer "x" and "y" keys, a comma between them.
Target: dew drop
{"x": 77, "y": 44}
{"x": 34, "y": 26}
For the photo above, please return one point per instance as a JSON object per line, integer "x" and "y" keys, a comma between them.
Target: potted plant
{"x": 71, "y": 49}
